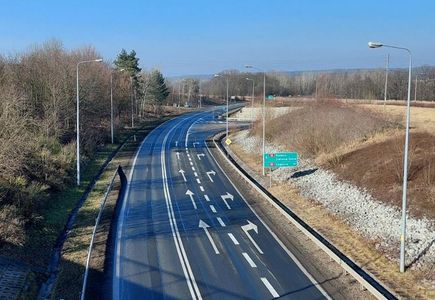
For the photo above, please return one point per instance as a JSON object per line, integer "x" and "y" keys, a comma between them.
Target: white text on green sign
{"x": 281, "y": 160}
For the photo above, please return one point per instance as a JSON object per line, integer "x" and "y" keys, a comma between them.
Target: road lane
{"x": 179, "y": 239}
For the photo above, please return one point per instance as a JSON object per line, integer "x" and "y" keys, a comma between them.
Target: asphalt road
{"x": 186, "y": 232}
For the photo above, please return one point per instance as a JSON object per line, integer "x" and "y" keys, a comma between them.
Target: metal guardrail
{"x": 97, "y": 221}
{"x": 366, "y": 279}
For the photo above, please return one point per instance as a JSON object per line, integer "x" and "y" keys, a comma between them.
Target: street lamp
{"x": 263, "y": 110}
{"x": 226, "y": 77}
{"x": 253, "y": 91}
{"x": 405, "y": 156}
{"x": 78, "y": 116}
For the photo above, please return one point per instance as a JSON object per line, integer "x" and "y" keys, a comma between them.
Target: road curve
{"x": 186, "y": 232}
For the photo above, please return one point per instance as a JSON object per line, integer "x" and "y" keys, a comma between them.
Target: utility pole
{"x": 387, "y": 65}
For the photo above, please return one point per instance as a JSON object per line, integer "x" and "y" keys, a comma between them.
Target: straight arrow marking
{"x": 190, "y": 194}
{"x": 182, "y": 174}
{"x": 178, "y": 155}
{"x": 205, "y": 226}
{"x": 251, "y": 226}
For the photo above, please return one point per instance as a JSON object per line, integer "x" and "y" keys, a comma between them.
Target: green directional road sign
{"x": 281, "y": 160}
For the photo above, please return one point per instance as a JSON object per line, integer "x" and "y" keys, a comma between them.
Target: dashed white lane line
{"x": 249, "y": 260}
{"x": 201, "y": 188}
{"x": 269, "y": 287}
{"x": 221, "y": 222}
{"x": 197, "y": 180}
{"x": 193, "y": 168}
{"x": 196, "y": 174}
{"x": 207, "y": 198}
{"x": 190, "y": 159}
{"x": 235, "y": 241}
{"x": 191, "y": 163}
{"x": 212, "y": 208}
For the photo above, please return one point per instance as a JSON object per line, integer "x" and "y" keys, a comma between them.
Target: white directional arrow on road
{"x": 225, "y": 197}
{"x": 182, "y": 174}
{"x": 195, "y": 143}
{"x": 211, "y": 173}
{"x": 199, "y": 155}
{"x": 205, "y": 226}
{"x": 178, "y": 154}
{"x": 251, "y": 226}
{"x": 176, "y": 143}
{"x": 190, "y": 193}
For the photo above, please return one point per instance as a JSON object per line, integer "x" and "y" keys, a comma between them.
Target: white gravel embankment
{"x": 253, "y": 113}
{"x": 374, "y": 219}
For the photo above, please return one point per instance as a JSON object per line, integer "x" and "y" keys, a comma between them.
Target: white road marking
{"x": 199, "y": 155}
{"x": 197, "y": 180}
{"x": 207, "y": 198}
{"x": 176, "y": 143}
{"x": 235, "y": 241}
{"x": 291, "y": 255}
{"x": 212, "y": 208}
{"x": 249, "y": 260}
{"x": 195, "y": 143}
{"x": 269, "y": 287}
{"x": 205, "y": 226}
{"x": 196, "y": 174}
{"x": 191, "y": 163}
{"x": 251, "y": 226}
{"x": 190, "y": 194}
{"x": 182, "y": 174}
{"x": 193, "y": 168}
{"x": 225, "y": 197}
{"x": 201, "y": 188}
{"x": 189, "y": 159}
{"x": 187, "y": 270}
{"x": 209, "y": 173}
{"x": 221, "y": 222}
{"x": 178, "y": 154}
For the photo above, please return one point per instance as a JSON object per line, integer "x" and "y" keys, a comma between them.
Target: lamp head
{"x": 375, "y": 45}
{"x": 98, "y": 60}
{"x": 216, "y": 75}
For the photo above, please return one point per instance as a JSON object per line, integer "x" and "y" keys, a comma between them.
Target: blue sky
{"x": 203, "y": 37}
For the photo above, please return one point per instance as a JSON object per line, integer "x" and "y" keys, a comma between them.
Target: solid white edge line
{"x": 187, "y": 270}
{"x": 249, "y": 260}
{"x": 297, "y": 262}
{"x": 115, "y": 288}
{"x": 232, "y": 237}
{"x": 221, "y": 222}
{"x": 269, "y": 287}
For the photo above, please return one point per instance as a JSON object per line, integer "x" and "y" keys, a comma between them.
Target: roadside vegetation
{"x": 37, "y": 134}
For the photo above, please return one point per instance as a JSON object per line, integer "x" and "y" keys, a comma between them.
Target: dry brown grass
{"x": 322, "y": 127}
{"x": 411, "y": 285}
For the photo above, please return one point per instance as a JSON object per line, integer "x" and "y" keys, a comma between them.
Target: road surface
{"x": 186, "y": 232}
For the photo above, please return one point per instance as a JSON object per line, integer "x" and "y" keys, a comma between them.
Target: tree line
{"x": 38, "y": 119}
{"x": 344, "y": 84}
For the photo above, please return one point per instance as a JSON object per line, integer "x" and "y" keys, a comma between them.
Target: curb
{"x": 366, "y": 279}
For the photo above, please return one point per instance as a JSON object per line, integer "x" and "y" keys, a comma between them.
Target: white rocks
{"x": 374, "y": 219}
{"x": 255, "y": 113}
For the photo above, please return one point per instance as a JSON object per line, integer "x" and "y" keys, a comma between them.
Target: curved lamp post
{"x": 78, "y": 116}
{"x": 263, "y": 110}
{"x": 405, "y": 155}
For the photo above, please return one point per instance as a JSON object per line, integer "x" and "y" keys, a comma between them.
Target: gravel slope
{"x": 372, "y": 218}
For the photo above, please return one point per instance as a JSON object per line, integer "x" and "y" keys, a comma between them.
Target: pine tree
{"x": 156, "y": 91}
